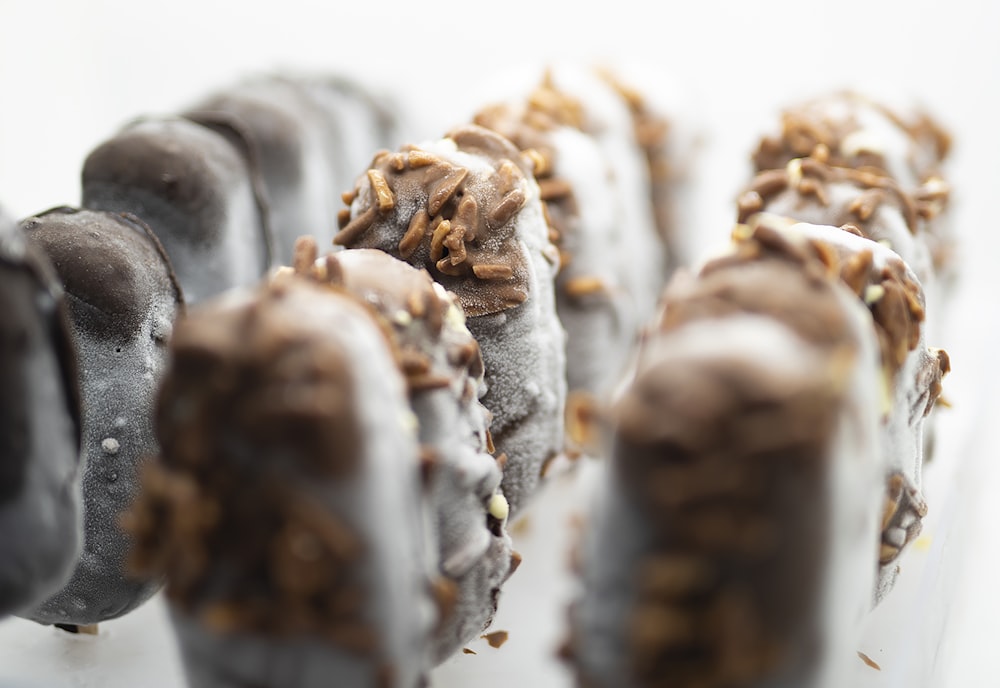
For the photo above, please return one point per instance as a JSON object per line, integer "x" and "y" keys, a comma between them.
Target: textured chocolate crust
{"x": 823, "y": 127}
{"x": 466, "y": 209}
{"x": 719, "y": 493}
{"x": 40, "y": 428}
{"x": 122, "y": 299}
{"x": 197, "y": 193}
{"x": 850, "y": 131}
{"x": 443, "y": 368}
{"x": 284, "y": 546}
{"x": 460, "y": 229}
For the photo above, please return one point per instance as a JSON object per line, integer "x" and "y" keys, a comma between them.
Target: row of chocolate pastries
{"x": 267, "y": 510}
{"x": 765, "y": 453}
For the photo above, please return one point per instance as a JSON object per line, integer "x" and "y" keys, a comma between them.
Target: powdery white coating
{"x": 217, "y": 245}
{"x": 600, "y": 328}
{"x": 887, "y": 225}
{"x": 679, "y": 104}
{"x": 386, "y": 515}
{"x": 465, "y": 477}
{"x": 359, "y": 120}
{"x": 641, "y": 258}
{"x": 523, "y": 347}
{"x": 907, "y": 160}
{"x": 902, "y": 429}
{"x": 118, "y": 380}
{"x": 41, "y": 525}
{"x": 902, "y": 426}
{"x": 618, "y": 538}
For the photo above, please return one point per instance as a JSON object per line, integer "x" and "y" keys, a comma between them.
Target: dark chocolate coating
{"x": 123, "y": 298}
{"x": 195, "y": 190}
{"x": 40, "y": 520}
{"x": 305, "y": 138}
{"x": 277, "y": 127}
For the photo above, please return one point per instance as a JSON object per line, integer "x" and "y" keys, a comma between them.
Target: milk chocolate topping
{"x": 459, "y": 219}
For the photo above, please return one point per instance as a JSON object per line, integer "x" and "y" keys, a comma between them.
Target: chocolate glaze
{"x": 40, "y": 517}
{"x": 443, "y": 368}
{"x": 122, "y": 299}
{"x": 719, "y": 505}
{"x": 476, "y": 255}
{"x": 195, "y": 190}
{"x": 466, "y": 209}
{"x": 285, "y": 547}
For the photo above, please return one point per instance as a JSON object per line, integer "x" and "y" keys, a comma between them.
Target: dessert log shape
{"x": 305, "y": 137}
{"x": 123, "y": 299}
{"x": 196, "y": 191}
{"x": 596, "y": 291}
{"x": 443, "y": 368}
{"x": 908, "y": 146}
{"x": 467, "y": 209}
{"x": 285, "y": 509}
{"x": 731, "y": 542}
{"x": 41, "y": 518}
{"x": 911, "y": 373}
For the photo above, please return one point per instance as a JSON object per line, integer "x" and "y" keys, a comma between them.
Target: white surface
{"x": 70, "y": 73}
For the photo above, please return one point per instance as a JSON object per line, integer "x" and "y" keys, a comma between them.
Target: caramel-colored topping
{"x": 383, "y": 193}
{"x": 401, "y": 297}
{"x": 811, "y": 129}
{"x": 496, "y": 639}
{"x": 873, "y": 192}
{"x": 457, "y": 222}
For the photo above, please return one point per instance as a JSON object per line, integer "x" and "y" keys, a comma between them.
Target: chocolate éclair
{"x": 731, "y": 543}
{"x": 467, "y": 209}
{"x": 122, "y": 298}
{"x": 284, "y": 512}
{"x": 440, "y": 360}
{"x": 41, "y": 522}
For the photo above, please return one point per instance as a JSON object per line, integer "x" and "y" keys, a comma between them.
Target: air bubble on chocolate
{"x": 118, "y": 284}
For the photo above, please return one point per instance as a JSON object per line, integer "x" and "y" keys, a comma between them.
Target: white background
{"x": 72, "y": 72}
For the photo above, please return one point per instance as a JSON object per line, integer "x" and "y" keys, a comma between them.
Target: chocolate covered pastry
{"x": 911, "y": 374}
{"x": 731, "y": 542}
{"x": 41, "y": 520}
{"x": 598, "y": 299}
{"x": 306, "y": 137}
{"x": 285, "y": 511}
{"x": 467, "y": 209}
{"x": 122, "y": 299}
{"x": 197, "y": 193}
{"x": 444, "y": 373}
